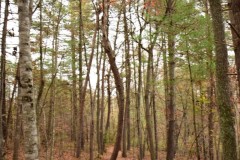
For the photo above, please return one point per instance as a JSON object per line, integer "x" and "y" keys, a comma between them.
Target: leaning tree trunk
{"x": 222, "y": 84}
{"x": 118, "y": 80}
{"x": 84, "y": 90}
{"x": 26, "y": 83}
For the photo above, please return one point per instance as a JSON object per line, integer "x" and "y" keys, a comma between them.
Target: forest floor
{"x": 69, "y": 155}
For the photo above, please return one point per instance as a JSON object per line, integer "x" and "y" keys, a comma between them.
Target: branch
{"x": 234, "y": 29}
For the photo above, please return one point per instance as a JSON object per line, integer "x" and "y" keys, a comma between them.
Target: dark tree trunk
{"x": 227, "y": 131}
{"x": 128, "y": 82}
{"x": 193, "y": 107}
{"x": 117, "y": 78}
{"x": 171, "y": 146}
{"x": 148, "y": 105}
{"x": 210, "y": 86}
{"x": 84, "y": 90}
{"x": 234, "y": 12}
{"x": 109, "y": 102}
{"x": 79, "y": 132}
{"x": 102, "y": 106}
{"x": 3, "y": 123}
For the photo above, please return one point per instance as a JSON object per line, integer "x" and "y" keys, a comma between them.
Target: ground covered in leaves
{"x": 69, "y": 155}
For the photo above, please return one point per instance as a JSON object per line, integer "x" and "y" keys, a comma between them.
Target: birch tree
{"x": 26, "y": 82}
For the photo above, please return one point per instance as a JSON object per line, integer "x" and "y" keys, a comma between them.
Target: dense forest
{"x": 120, "y": 79}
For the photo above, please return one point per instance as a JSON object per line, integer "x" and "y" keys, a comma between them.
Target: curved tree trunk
{"x": 118, "y": 80}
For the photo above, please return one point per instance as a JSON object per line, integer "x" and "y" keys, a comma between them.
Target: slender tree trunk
{"x": 84, "y": 89}
{"x": 138, "y": 104}
{"x": 128, "y": 82}
{"x": 91, "y": 148}
{"x": 99, "y": 62}
{"x": 148, "y": 105}
{"x": 51, "y": 119}
{"x": 26, "y": 83}
{"x": 154, "y": 108}
{"x": 80, "y": 49}
{"x": 18, "y": 120}
{"x": 10, "y": 109}
{"x": 210, "y": 87}
{"x": 74, "y": 78}
{"x": 227, "y": 131}
{"x": 139, "y": 91}
{"x": 3, "y": 108}
{"x": 193, "y": 106}
{"x": 109, "y": 101}
{"x": 202, "y": 123}
{"x": 118, "y": 79}
{"x": 102, "y": 105}
{"x": 17, "y": 131}
{"x": 42, "y": 82}
{"x": 171, "y": 146}
{"x": 3, "y": 83}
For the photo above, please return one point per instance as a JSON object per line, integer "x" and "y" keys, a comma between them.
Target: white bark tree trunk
{"x": 26, "y": 83}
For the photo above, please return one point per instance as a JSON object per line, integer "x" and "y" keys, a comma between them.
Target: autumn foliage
{"x": 152, "y": 7}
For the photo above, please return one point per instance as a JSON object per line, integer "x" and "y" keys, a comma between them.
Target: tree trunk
{"x": 109, "y": 101}
{"x": 102, "y": 106}
{"x": 84, "y": 90}
{"x": 42, "y": 82}
{"x": 128, "y": 81}
{"x": 3, "y": 71}
{"x": 210, "y": 87}
{"x": 17, "y": 129}
{"x": 117, "y": 78}
{"x": 224, "y": 103}
{"x": 147, "y": 107}
{"x": 235, "y": 28}
{"x": 99, "y": 62}
{"x": 171, "y": 147}
{"x": 26, "y": 83}
{"x": 193, "y": 106}
{"x": 80, "y": 49}
{"x": 3, "y": 126}
{"x": 74, "y": 78}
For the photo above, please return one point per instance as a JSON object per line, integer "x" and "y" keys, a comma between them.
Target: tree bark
{"x": 227, "y": 131}
{"x": 193, "y": 106}
{"x": 74, "y": 77}
{"x": 118, "y": 80}
{"x": 210, "y": 86}
{"x": 234, "y": 13}
{"x": 128, "y": 82}
{"x": 80, "y": 49}
{"x": 26, "y": 83}
{"x": 3, "y": 126}
{"x": 171, "y": 147}
{"x": 84, "y": 90}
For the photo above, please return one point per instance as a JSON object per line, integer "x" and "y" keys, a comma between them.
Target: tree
{"x": 3, "y": 127}
{"x": 222, "y": 84}
{"x": 126, "y": 129}
{"x": 235, "y": 28}
{"x": 171, "y": 147}
{"x": 26, "y": 82}
{"x": 118, "y": 80}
